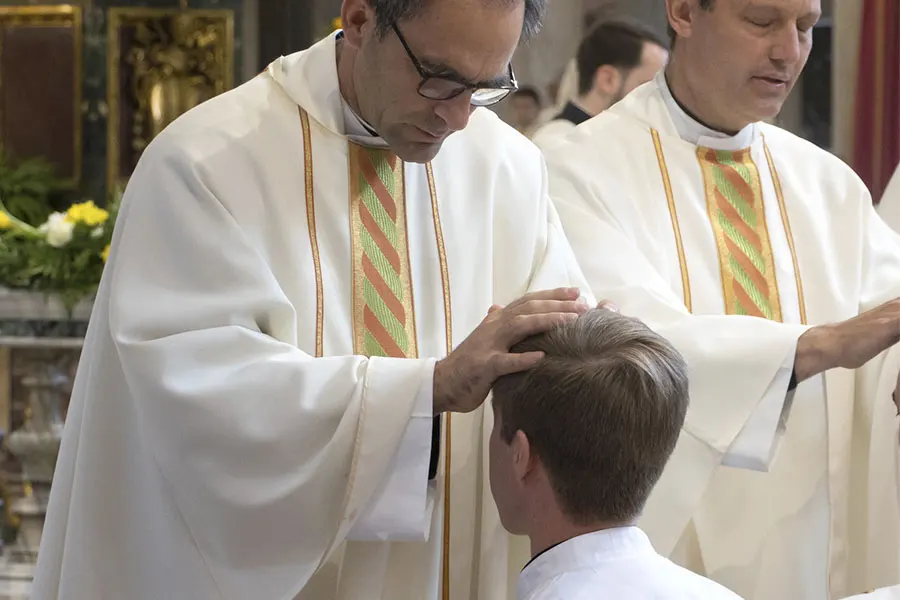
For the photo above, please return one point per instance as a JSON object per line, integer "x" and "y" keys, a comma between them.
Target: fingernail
{"x": 575, "y": 291}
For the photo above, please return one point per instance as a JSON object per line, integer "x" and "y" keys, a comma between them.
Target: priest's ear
{"x": 357, "y": 21}
{"x": 681, "y": 14}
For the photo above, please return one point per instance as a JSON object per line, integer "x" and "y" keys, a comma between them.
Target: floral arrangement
{"x": 28, "y": 187}
{"x": 64, "y": 257}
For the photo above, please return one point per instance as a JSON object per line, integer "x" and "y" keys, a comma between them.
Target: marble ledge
{"x": 31, "y": 319}
{"x": 15, "y": 590}
{"x": 15, "y": 581}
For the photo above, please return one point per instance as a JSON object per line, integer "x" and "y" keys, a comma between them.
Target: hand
{"x": 849, "y": 344}
{"x": 463, "y": 379}
{"x": 603, "y": 304}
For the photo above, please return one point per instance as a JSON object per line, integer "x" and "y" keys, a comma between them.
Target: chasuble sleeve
{"x": 394, "y": 512}
{"x": 754, "y": 447}
{"x": 876, "y": 487}
{"x": 271, "y": 455}
{"x": 733, "y": 361}
{"x": 889, "y": 206}
{"x": 880, "y": 283}
{"x": 881, "y": 259}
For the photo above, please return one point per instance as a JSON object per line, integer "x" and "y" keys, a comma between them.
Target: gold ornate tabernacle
{"x": 161, "y": 63}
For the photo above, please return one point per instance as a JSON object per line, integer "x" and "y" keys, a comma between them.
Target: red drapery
{"x": 876, "y": 148}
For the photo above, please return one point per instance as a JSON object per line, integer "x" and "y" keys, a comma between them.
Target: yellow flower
{"x": 5, "y": 221}
{"x": 87, "y": 213}
{"x": 105, "y": 254}
{"x": 336, "y": 24}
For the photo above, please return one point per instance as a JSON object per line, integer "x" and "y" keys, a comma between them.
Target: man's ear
{"x": 608, "y": 80}
{"x": 357, "y": 17}
{"x": 524, "y": 459}
{"x": 681, "y": 15}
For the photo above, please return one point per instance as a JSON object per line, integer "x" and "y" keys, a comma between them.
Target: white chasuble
{"x": 889, "y": 206}
{"x": 252, "y": 416}
{"x": 731, "y": 246}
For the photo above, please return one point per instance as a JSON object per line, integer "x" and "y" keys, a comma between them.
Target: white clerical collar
{"x": 691, "y": 130}
{"x": 583, "y": 551}
{"x": 358, "y": 130}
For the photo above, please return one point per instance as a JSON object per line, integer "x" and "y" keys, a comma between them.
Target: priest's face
{"x": 741, "y": 58}
{"x": 448, "y": 43}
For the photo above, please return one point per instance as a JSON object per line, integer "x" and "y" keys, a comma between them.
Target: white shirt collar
{"x": 691, "y": 130}
{"x": 583, "y": 551}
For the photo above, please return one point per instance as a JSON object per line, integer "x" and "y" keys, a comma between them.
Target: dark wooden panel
{"x": 285, "y": 26}
{"x": 40, "y": 86}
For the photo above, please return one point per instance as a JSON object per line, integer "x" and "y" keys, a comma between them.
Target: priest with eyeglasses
{"x": 280, "y": 395}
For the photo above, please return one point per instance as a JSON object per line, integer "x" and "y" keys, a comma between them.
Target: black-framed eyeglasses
{"x": 437, "y": 87}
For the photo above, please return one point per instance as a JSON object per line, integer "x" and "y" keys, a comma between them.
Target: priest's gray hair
{"x": 388, "y": 12}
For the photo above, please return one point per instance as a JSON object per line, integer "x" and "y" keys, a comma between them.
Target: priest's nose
{"x": 455, "y": 112}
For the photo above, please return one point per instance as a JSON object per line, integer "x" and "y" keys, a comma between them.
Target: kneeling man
{"x": 578, "y": 443}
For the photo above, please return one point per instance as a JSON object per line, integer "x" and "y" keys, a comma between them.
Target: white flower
{"x": 57, "y": 230}
{"x": 97, "y": 232}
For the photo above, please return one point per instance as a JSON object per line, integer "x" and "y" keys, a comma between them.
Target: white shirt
{"x": 887, "y": 593}
{"x": 616, "y": 564}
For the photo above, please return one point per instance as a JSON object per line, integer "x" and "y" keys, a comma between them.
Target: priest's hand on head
{"x": 849, "y": 344}
{"x": 603, "y": 304}
{"x": 463, "y": 379}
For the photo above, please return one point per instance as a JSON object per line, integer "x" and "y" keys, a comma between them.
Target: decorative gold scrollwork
{"x": 162, "y": 62}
